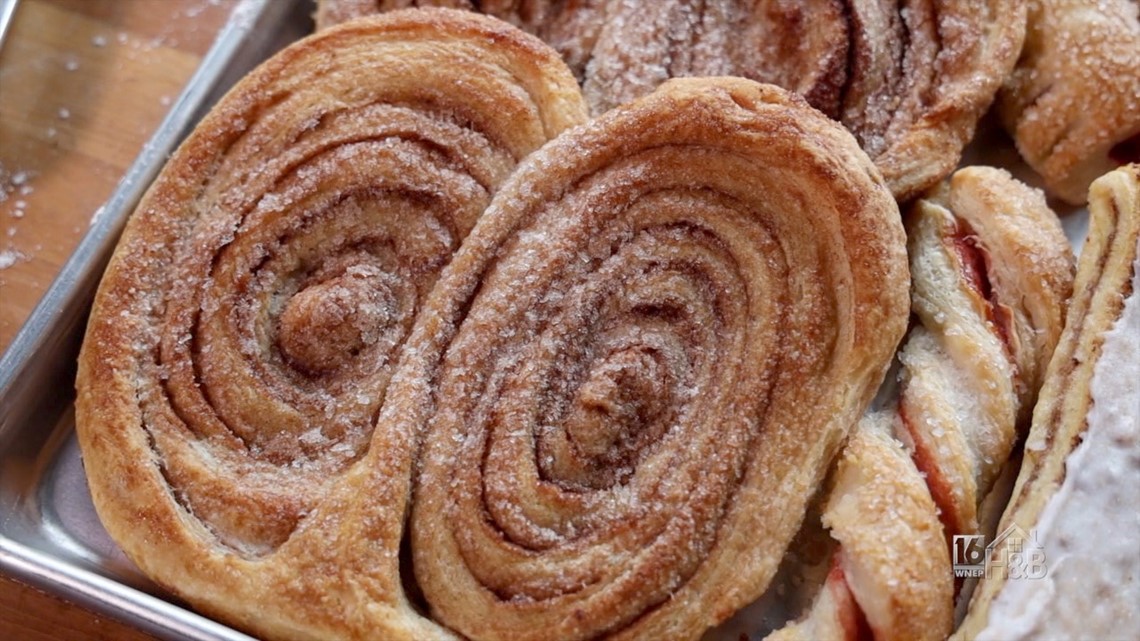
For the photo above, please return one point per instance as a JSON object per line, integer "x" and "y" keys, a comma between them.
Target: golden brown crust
{"x": 622, "y": 427}
{"x": 1103, "y": 282}
{"x": 959, "y": 53}
{"x": 909, "y": 81}
{"x": 257, "y": 304}
{"x": 1072, "y": 103}
{"x": 893, "y": 554}
{"x": 892, "y": 557}
{"x": 992, "y": 272}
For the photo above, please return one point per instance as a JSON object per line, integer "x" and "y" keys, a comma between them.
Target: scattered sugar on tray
{"x": 10, "y": 257}
{"x": 194, "y": 10}
{"x": 99, "y": 211}
{"x": 244, "y": 14}
{"x": 19, "y": 178}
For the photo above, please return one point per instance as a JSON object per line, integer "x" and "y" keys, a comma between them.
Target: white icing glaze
{"x": 1090, "y": 529}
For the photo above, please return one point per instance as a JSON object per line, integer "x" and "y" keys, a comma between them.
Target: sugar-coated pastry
{"x": 248, "y": 327}
{"x": 1075, "y": 509}
{"x": 991, "y": 273}
{"x": 909, "y": 79}
{"x": 1072, "y": 103}
{"x": 641, "y": 362}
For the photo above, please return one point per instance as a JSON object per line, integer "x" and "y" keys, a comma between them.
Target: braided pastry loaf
{"x": 991, "y": 272}
{"x": 328, "y": 391}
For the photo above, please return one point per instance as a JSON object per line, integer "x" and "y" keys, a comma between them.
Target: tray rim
{"x": 68, "y": 296}
{"x": 56, "y": 319}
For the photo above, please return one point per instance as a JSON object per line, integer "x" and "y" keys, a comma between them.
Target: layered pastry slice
{"x": 1071, "y": 566}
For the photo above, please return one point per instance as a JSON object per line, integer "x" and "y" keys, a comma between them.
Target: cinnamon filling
{"x": 326, "y": 324}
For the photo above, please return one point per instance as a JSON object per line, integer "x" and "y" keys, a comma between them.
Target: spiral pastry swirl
{"x": 244, "y": 335}
{"x": 639, "y": 364}
{"x": 909, "y": 79}
{"x": 991, "y": 274}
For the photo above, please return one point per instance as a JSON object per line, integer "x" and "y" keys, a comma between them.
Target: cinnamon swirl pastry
{"x": 1072, "y": 103}
{"x": 610, "y": 409}
{"x": 635, "y": 371}
{"x": 910, "y": 80}
{"x": 1076, "y": 503}
{"x": 991, "y": 272}
{"x": 246, "y": 331}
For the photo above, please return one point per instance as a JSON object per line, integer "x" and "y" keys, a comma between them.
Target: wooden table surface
{"x": 83, "y": 84}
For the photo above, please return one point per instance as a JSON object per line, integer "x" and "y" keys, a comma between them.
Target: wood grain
{"x": 28, "y": 614}
{"x": 83, "y": 85}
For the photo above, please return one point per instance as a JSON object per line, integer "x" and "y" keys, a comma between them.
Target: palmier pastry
{"x": 637, "y": 368}
{"x": 610, "y": 410}
{"x": 1072, "y": 103}
{"x": 245, "y": 333}
{"x": 1068, "y": 567}
{"x": 910, "y": 80}
{"x": 991, "y": 272}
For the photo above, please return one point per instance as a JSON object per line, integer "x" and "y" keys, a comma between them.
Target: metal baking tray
{"x": 50, "y": 536}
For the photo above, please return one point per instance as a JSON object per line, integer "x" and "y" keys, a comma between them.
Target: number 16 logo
{"x": 969, "y": 552}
